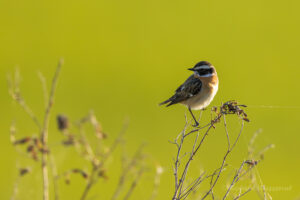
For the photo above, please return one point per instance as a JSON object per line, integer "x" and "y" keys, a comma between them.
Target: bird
{"x": 198, "y": 91}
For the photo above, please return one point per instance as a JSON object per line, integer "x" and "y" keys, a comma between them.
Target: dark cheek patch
{"x": 205, "y": 71}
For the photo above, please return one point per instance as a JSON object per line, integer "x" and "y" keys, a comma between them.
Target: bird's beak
{"x": 191, "y": 69}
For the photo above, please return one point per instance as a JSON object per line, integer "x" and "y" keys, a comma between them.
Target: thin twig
{"x": 45, "y": 90}
{"x": 187, "y": 166}
{"x": 177, "y": 162}
{"x": 240, "y": 195}
{"x": 159, "y": 171}
{"x": 14, "y": 91}
{"x": 196, "y": 147}
{"x": 194, "y": 187}
{"x": 230, "y": 148}
{"x": 16, "y": 189}
{"x": 54, "y": 177}
{"x": 125, "y": 172}
{"x": 235, "y": 179}
{"x": 44, "y": 133}
{"x": 99, "y": 165}
{"x": 134, "y": 184}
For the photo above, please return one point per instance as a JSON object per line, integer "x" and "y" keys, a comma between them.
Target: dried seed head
{"x": 102, "y": 173}
{"x": 22, "y": 141}
{"x": 251, "y": 162}
{"x": 62, "y": 122}
{"x": 67, "y": 178}
{"x": 83, "y": 173}
{"x": 23, "y": 171}
{"x": 232, "y": 107}
{"x": 69, "y": 141}
{"x": 30, "y": 148}
{"x": 34, "y": 155}
{"x": 98, "y": 129}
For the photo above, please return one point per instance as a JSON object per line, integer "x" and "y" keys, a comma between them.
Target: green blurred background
{"x": 124, "y": 57}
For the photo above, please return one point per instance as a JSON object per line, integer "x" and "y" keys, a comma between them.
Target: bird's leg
{"x": 196, "y": 122}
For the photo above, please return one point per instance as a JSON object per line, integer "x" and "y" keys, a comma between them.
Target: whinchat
{"x": 198, "y": 90}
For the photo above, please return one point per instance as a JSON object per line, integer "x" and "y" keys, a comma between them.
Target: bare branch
{"x": 230, "y": 107}
{"x": 225, "y": 157}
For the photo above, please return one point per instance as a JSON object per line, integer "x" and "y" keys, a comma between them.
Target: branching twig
{"x": 97, "y": 166}
{"x": 239, "y": 175}
{"x": 134, "y": 184}
{"x": 230, "y": 148}
{"x": 230, "y": 107}
{"x": 126, "y": 171}
{"x": 240, "y": 195}
{"x": 196, "y": 147}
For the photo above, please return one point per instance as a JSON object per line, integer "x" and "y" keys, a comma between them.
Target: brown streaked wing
{"x": 189, "y": 88}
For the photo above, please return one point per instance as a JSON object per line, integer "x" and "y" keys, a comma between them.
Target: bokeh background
{"x": 124, "y": 57}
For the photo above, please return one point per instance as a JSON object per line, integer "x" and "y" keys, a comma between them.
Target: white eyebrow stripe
{"x": 202, "y": 67}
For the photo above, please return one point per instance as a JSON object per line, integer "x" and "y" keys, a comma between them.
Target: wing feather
{"x": 188, "y": 89}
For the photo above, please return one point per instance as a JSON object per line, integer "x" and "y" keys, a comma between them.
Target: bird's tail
{"x": 169, "y": 101}
{"x": 164, "y": 102}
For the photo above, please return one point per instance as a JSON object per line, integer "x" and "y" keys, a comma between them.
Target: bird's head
{"x": 203, "y": 69}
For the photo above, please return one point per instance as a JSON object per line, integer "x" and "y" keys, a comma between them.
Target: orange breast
{"x": 209, "y": 81}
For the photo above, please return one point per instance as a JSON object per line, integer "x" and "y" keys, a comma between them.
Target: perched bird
{"x": 198, "y": 90}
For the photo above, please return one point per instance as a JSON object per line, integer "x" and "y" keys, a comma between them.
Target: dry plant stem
{"x": 179, "y": 183}
{"x": 212, "y": 191}
{"x": 235, "y": 179}
{"x": 156, "y": 185}
{"x": 177, "y": 162}
{"x": 125, "y": 172}
{"x": 264, "y": 150}
{"x": 264, "y": 190}
{"x": 195, "y": 150}
{"x": 87, "y": 146}
{"x": 134, "y": 184}
{"x": 14, "y": 92}
{"x": 44, "y": 133}
{"x": 55, "y": 177}
{"x": 95, "y": 169}
{"x": 44, "y": 85}
{"x": 230, "y": 148}
{"x": 90, "y": 183}
{"x": 16, "y": 189}
{"x": 230, "y": 107}
{"x": 240, "y": 195}
{"x": 187, "y": 166}
{"x": 195, "y": 185}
